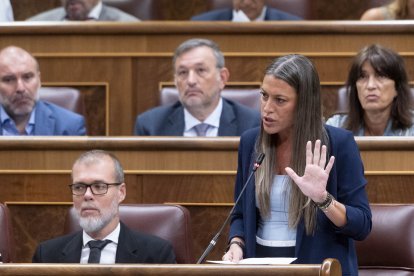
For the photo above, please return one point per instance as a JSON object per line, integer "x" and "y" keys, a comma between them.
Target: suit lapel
{"x": 175, "y": 125}
{"x": 71, "y": 253}
{"x": 44, "y": 120}
{"x": 127, "y": 250}
{"x": 228, "y": 123}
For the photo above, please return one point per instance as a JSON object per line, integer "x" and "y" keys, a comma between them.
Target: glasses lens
{"x": 99, "y": 188}
{"x": 78, "y": 189}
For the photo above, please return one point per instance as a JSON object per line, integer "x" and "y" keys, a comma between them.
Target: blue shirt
{"x": 275, "y": 229}
{"x": 9, "y": 127}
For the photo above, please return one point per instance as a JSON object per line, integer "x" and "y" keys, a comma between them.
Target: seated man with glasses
{"x": 98, "y": 188}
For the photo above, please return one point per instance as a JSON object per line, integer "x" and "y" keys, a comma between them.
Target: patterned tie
{"x": 95, "y": 254}
{"x": 201, "y": 129}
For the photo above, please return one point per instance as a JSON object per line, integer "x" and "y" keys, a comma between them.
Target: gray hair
{"x": 199, "y": 42}
{"x": 94, "y": 156}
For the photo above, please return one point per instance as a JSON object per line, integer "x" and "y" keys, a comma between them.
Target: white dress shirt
{"x": 240, "y": 16}
{"x": 108, "y": 253}
{"x": 213, "y": 120}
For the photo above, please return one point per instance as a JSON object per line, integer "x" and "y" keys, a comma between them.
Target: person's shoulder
{"x": 339, "y": 136}
{"x": 250, "y": 134}
{"x": 60, "y": 241}
{"x": 56, "y": 14}
{"x": 242, "y": 109}
{"x": 374, "y": 14}
{"x": 114, "y": 14}
{"x": 220, "y": 14}
{"x": 144, "y": 239}
{"x": 337, "y": 120}
{"x": 58, "y": 110}
{"x": 160, "y": 111}
{"x": 275, "y": 14}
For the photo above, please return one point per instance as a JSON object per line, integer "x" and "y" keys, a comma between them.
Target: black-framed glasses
{"x": 97, "y": 188}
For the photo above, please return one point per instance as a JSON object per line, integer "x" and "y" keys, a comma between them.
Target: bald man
{"x": 82, "y": 10}
{"x": 21, "y": 111}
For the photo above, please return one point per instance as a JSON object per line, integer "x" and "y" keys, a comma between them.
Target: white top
{"x": 6, "y": 11}
{"x": 274, "y": 231}
{"x": 108, "y": 253}
{"x": 338, "y": 120}
{"x": 213, "y": 120}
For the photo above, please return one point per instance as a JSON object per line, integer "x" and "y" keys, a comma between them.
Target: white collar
{"x": 96, "y": 11}
{"x": 213, "y": 119}
{"x": 113, "y": 236}
{"x": 240, "y": 16}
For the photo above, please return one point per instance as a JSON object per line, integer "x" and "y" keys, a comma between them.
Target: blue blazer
{"x": 133, "y": 247}
{"x": 346, "y": 183}
{"x": 227, "y": 15}
{"x": 51, "y": 119}
{"x": 169, "y": 120}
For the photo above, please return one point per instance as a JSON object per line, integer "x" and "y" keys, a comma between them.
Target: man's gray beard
{"x": 93, "y": 224}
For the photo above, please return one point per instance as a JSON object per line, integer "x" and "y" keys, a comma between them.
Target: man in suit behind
{"x": 21, "y": 111}
{"x": 200, "y": 76}
{"x": 245, "y": 11}
{"x": 82, "y": 10}
{"x": 98, "y": 188}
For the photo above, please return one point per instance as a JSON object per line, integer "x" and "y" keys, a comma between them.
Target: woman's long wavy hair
{"x": 299, "y": 72}
{"x": 386, "y": 63}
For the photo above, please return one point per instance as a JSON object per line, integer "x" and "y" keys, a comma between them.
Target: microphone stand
{"x": 213, "y": 242}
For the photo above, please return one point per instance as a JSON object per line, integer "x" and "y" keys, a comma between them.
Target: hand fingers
{"x": 227, "y": 257}
{"x": 309, "y": 152}
{"x": 330, "y": 164}
{"x": 317, "y": 153}
{"x": 292, "y": 175}
{"x": 322, "y": 160}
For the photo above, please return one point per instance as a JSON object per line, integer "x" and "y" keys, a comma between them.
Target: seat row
{"x": 389, "y": 249}
{"x": 170, "y": 222}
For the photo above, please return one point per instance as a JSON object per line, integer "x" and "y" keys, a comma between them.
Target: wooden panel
{"x": 328, "y": 267}
{"x": 134, "y": 67}
{"x": 94, "y": 99}
{"x": 195, "y": 172}
{"x": 185, "y": 9}
{"x": 31, "y": 225}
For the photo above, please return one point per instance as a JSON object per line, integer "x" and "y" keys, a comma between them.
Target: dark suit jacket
{"x": 107, "y": 14}
{"x": 51, "y": 119}
{"x": 133, "y": 247}
{"x": 346, "y": 183}
{"x": 227, "y": 15}
{"x": 169, "y": 120}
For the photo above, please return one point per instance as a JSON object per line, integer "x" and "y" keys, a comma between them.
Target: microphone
{"x": 213, "y": 242}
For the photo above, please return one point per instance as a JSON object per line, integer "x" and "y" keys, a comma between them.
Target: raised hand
{"x": 314, "y": 180}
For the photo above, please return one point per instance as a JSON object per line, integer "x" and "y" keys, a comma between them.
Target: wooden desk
{"x": 328, "y": 267}
{"x": 130, "y": 61}
{"x": 197, "y": 173}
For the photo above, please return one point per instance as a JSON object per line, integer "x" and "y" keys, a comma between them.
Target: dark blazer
{"x": 133, "y": 247}
{"x": 346, "y": 183}
{"x": 51, "y": 119}
{"x": 169, "y": 120}
{"x": 107, "y": 14}
{"x": 227, "y": 15}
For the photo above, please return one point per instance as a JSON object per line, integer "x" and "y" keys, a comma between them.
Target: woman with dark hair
{"x": 379, "y": 96}
{"x": 313, "y": 216}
